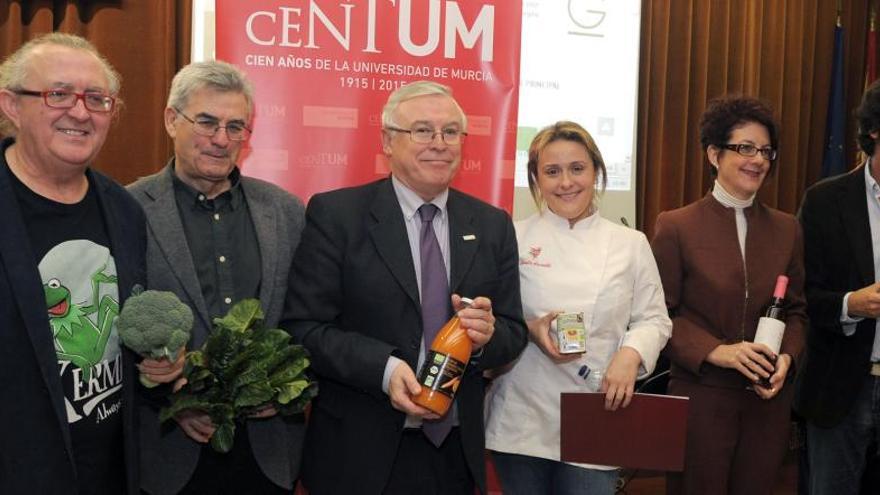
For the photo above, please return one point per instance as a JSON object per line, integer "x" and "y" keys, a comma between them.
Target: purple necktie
{"x": 436, "y": 305}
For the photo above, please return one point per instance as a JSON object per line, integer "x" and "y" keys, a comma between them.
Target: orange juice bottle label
{"x": 442, "y": 373}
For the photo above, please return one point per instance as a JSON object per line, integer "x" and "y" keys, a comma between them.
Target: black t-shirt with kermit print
{"x": 71, "y": 248}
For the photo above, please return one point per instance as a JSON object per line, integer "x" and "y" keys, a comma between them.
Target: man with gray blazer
{"x": 216, "y": 237}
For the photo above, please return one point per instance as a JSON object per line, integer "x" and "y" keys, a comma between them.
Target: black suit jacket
{"x": 354, "y": 301}
{"x": 35, "y": 446}
{"x": 838, "y": 257}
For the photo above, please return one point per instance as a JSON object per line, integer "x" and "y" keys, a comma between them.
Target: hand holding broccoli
{"x": 243, "y": 370}
{"x": 162, "y": 370}
{"x": 156, "y": 325}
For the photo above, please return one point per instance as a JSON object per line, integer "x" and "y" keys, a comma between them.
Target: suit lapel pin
{"x": 469, "y": 237}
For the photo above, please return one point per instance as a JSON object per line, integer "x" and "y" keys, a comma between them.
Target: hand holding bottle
{"x": 771, "y": 326}
{"x": 445, "y": 363}
{"x": 402, "y": 386}
{"x": 754, "y": 361}
{"x": 777, "y": 381}
{"x": 477, "y": 319}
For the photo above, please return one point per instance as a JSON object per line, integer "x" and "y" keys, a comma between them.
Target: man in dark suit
{"x": 216, "y": 237}
{"x": 838, "y": 389}
{"x": 71, "y": 250}
{"x": 363, "y": 288}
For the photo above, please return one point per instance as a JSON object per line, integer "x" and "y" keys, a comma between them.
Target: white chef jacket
{"x": 602, "y": 269}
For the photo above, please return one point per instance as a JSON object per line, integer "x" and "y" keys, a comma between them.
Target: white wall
{"x": 579, "y": 62}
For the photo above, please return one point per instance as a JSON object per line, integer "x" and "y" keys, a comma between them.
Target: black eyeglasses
{"x": 208, "y": 127}
{"x": 94, "y": 101}
{"x": 767, "y": 153}
{"x": 425, "y": 135}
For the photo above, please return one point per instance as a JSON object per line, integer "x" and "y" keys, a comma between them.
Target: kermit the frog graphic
{"x": 78, "y": 338}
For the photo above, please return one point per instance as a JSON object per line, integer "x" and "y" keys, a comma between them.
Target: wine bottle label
{"x": 442, "y": 373}
{"x": 571, "y": 336}
{"x": 769, "y": 333}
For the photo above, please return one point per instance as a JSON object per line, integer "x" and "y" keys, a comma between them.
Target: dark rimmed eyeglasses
{"x": 425, "y": 135}
{"x": 208, "y": 127}
{"x": 94, "y": 101}
{"x": 767, "y": 153}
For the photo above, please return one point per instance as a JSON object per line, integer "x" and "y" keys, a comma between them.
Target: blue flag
{"x": 834, "y": 160}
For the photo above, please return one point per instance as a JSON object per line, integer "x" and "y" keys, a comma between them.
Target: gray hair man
{"x": 216, "y": 237}
{"x": 380, "y": 269}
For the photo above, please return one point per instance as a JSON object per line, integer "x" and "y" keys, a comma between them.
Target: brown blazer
{"x": 713, "y": 296}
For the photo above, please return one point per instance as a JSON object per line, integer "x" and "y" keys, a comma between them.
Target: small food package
{"x": 571, "y": 335}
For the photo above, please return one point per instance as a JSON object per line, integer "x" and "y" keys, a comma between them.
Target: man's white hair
{"x": 415, "y": 90}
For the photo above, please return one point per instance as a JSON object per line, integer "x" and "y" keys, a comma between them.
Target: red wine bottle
{"x": 771, "y": 326}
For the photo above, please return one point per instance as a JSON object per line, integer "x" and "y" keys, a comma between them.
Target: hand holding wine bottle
{"x": 777, "y": 380}
{"x": 754, "y": 361}
{"x": 757, "y": 360}
{"x": 770, "y": 331}
{"x": 771, "y": 326}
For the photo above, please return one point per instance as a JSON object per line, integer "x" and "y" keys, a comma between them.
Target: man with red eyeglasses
{"x": 72, "y": 248}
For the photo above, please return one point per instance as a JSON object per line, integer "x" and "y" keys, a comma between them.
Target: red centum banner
{"x": 323, "y": 69}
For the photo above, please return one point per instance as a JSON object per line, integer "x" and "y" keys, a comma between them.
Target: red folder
{"x": 647, "y": 434}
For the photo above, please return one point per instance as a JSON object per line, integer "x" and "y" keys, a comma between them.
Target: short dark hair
{"x": 726, "y": 113}
{"x": 868, "y": 116}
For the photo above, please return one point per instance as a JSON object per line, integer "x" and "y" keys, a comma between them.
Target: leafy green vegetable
{"x": 241, "y": 368}
{"x": 155, "y": 324}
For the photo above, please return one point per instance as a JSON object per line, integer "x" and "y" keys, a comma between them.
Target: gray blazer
{"x": 168, "y": 457}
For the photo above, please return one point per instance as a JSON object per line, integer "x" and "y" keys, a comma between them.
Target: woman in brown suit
{"x": 719, "y": 259}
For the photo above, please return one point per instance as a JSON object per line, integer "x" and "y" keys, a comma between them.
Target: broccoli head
{"x": 155, "y": 324}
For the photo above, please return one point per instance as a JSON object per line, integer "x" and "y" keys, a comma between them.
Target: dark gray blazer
{"x": 168, "y": 457}
{"x": 354, "y": 301}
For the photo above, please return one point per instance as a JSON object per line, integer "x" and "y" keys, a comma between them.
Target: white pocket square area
{"x": 469, "y": 237}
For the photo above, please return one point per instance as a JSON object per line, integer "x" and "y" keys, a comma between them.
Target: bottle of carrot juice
{"x": 444, "y": 366}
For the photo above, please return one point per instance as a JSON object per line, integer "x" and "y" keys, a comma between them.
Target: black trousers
{"x": 234, "y": 473}
{"x": 423, "y": 469}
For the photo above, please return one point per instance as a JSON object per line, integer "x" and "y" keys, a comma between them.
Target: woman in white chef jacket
{"x": 574, "y": 261}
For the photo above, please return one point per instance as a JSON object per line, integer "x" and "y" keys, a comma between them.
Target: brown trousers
{"x": 736, "y": 441}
